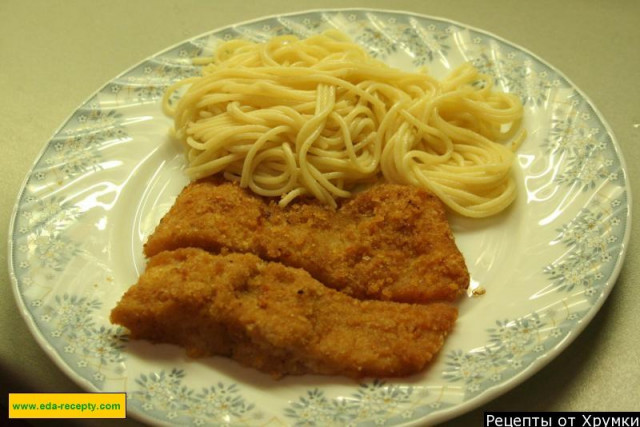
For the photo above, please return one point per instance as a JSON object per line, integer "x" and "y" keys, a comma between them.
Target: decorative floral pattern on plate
{"x": 163, "y": 393}
{"x": 111, "y": 171}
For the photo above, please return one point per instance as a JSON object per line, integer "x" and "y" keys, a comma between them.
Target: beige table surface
{"x": 55, "y": 53}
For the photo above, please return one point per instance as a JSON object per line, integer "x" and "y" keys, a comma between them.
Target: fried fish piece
{"x": 390, "y": 242}
{"x": 277, "y": 319}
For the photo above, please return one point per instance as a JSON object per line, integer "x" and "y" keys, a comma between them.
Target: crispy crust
{"x": 277, "y": 319}
{"x": 391, "y": 242}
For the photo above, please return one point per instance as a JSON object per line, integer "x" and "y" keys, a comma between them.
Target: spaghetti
{"x": 319, "y": 117}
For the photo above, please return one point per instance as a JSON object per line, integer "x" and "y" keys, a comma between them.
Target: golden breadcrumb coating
{"x": 390, "y": 242}
{"x": 277, "y": 319}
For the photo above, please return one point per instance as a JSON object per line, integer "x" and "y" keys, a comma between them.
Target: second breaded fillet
{"x": 390, "y": 242}
{"x": 276, "y": 318}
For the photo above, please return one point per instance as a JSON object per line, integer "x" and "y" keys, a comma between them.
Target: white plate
{"x": 109, "y": 174}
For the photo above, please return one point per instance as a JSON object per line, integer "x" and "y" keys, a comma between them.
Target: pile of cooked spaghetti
{"x": 318, "y": 117}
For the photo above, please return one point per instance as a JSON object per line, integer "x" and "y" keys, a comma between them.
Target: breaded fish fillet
{"x": 277, "y": 319}
{"x": 390, "y": 242}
